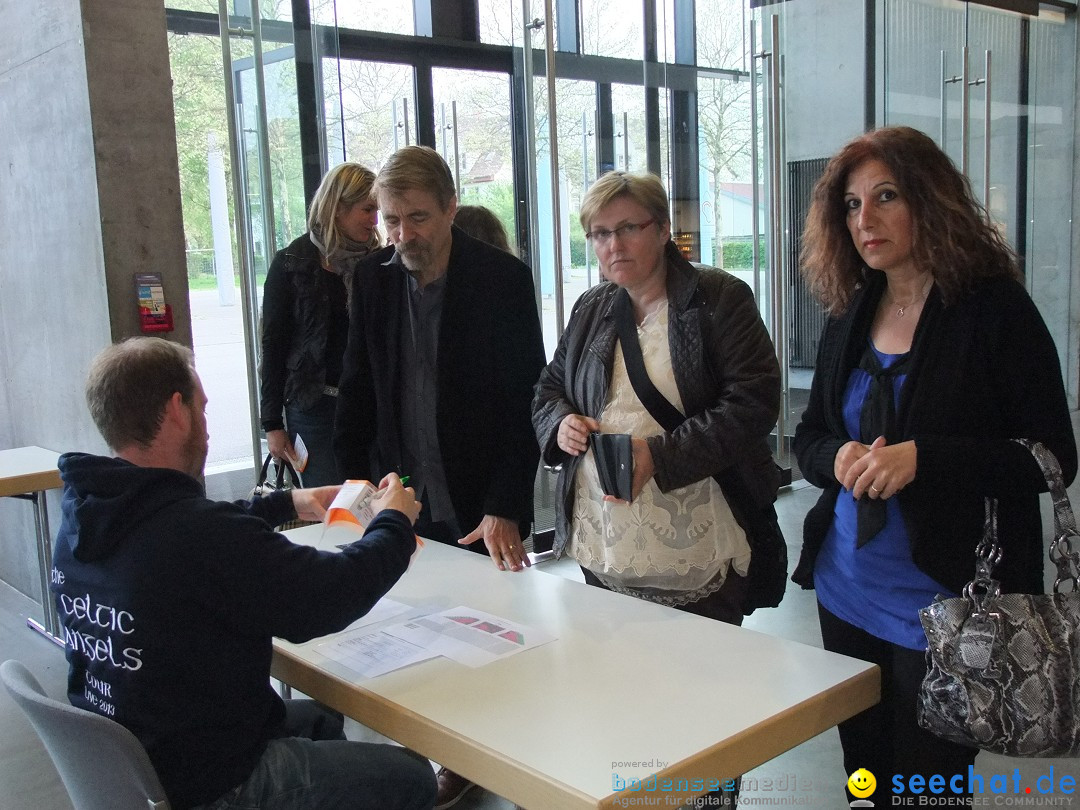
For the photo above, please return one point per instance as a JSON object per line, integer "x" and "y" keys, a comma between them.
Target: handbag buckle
{"x": 975, "y": 643}
{"x": 1067, "y": 561}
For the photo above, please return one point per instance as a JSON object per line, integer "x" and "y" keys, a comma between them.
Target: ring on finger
{"x": 875, "y": 489}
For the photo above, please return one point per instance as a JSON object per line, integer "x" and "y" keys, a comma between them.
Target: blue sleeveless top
{"x": 877, "y": 588}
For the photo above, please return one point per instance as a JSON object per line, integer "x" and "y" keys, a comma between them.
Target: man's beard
{"x": 418, "y": 260}
{"x": 195, "y": 451}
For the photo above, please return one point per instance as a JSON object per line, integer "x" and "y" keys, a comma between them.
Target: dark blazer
{"x": 491, "y": 351}
{"x": 984, "y": 371}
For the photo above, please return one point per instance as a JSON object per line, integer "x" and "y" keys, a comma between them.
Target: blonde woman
{"x": 305, "y": 319}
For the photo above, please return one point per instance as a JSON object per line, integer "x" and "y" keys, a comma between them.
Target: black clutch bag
{"x": 614, "y": 455}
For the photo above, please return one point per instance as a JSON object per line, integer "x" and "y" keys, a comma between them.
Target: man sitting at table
{"x": 169, "y": 602}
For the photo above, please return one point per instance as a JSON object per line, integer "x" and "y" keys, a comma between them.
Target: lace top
{"x": 672, "y": 547}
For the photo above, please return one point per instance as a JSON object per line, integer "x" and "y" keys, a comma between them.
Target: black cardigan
{"x": 297, "y": 308}
{"x": 984, "y": 371}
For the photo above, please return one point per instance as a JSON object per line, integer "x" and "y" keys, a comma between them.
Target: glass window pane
{"x": 377, "y": 112}
{"x": 283, "y": 134}
{"x": 665, "y": 33}
{"x": 280, "y": 10}
{"x": 500, "y": 21}
{"x": 1050, "y": 182}
{"x": 576, "y": 102}
{"x": 472, "y": 133}
{"x": 387, "y": 16}
{"x": 665, "y": 138}
{"x": 202, "y": 145}
{"x": 613, "y": 28}
{"x": 208, "y": 6}
{"x": 726, "y": 193}
{"x": 722, "y": 34}
{"x": 628, "y": 113}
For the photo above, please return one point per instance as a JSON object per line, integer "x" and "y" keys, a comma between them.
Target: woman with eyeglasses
{"x": 704, "y": 483}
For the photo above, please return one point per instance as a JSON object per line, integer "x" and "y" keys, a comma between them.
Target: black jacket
{"x": 984, "y": 371}
{"x": 490, "y": 353}
{"x": 296, "y": 313}
{"x": 169, "y": 603}
{"x": 726, "y": 370}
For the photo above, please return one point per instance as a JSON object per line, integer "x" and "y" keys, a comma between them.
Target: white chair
{"x": 103, "y": 765}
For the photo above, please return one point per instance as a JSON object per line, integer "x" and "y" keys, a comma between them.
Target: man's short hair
{"x": 131, "y": 382}
{"x": 417, "y": 167}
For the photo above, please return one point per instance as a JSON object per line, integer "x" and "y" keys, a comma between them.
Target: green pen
{"x": 404, "y": 480}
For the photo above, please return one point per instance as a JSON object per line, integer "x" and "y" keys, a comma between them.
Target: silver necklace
{"x": 901, "y": 308}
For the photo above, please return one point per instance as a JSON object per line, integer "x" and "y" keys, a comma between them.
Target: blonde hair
{"x": 417, "y": 167}
{"x": 644, "y": 189}
{"x": 344, "y": 186}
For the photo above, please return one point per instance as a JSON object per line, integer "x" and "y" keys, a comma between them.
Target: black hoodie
{"x": 169, "y": 602}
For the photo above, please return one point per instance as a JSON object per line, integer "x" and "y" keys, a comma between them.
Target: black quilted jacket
{"x": 726, "y": 370}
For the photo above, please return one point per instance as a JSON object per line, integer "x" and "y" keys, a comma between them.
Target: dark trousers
{"x": 886, "y": 739}
{"x": 316, "y": 427}
{"x": 446, "y": 532}
{"x": 724, "y": 605}
{"x": 313, "y": 765}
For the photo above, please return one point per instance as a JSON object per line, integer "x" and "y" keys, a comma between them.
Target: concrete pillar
{"x": 89, "y": 196}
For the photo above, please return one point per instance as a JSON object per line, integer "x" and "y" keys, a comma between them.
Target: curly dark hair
{"x": 952, "y": 235}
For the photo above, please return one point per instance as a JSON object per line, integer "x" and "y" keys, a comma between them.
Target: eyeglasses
{"x": 602, "y": 237}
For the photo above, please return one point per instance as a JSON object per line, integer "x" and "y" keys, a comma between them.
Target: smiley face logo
{"x": 862, "y": 783}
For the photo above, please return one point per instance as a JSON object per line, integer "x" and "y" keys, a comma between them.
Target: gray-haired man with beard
{"x": 437, "y": 382}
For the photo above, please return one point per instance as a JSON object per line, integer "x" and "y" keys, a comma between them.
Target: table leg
{"x": 50, "y": 624}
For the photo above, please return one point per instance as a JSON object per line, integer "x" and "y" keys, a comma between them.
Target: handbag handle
{"x": 281, "y": 464}
{"x": 264, "y": 470}
{"x": 984, "y": 588}
{"x": 1062, "y": 554}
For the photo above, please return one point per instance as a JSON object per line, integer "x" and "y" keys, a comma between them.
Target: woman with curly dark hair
{"x": 933, "y": 358}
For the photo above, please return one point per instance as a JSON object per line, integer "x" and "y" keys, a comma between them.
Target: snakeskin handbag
{"x": 1004, "y": 669}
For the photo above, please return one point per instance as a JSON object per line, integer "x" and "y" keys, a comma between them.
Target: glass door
{"x": 1050, "y": 148}
{"x": 972, "y": 104}
{"x": 267, "y": 171}
{"x": 809, "y": 96}
{"x": 473, "y": 133}
{"x": 1005, "y": 117}
{"x": 369, "y": 109}
{"x": 770, "y": 272}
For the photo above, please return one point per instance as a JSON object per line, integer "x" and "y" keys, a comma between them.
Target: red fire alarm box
{"x": 154, "y": 314}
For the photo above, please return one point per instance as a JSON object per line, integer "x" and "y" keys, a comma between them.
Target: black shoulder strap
{"x": 655, "y": 403}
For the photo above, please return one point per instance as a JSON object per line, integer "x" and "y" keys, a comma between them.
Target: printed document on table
{"x": 385, "y": 608}
{"x": 469, "y": 636}
{"x": 373, "y": 654}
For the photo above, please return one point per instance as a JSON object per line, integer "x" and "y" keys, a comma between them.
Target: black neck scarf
{"x": 878, "y": 418}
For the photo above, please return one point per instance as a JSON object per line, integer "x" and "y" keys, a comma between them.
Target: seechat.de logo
{"x": 862, "y": 784}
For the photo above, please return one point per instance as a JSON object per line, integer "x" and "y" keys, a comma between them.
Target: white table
{"x": 626, "y": 681}
{"x": 27, "y": 473}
